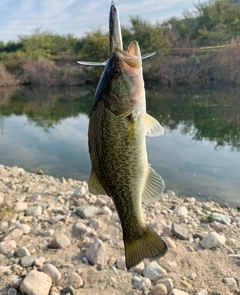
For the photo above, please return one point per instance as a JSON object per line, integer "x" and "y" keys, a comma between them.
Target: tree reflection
{"x": 204, "y": 114}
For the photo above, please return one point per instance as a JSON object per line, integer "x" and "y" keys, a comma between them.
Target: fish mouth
{"x": 132, "y": 57}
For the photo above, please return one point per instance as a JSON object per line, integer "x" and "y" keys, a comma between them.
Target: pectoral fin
{"x": 153, "y": 127}
{"x": 154, "y": 186}
{"x": 94, "y": 185}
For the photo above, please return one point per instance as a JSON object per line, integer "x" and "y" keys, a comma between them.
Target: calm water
{"x": 199, "y": 155}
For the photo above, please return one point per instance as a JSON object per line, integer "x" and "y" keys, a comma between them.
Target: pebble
{"x": 121, "y": 264}
{"x": 80, "y": 192}
{"x": 60, "y": 242}
{"x": 12, "y": 291}
{"x": 159, "y": 289}
{"x": 27, "y": 261}
{"x": 20, "y": 206}
{"x": 13, "y": 235}
{"x": 87, "y": 212}
{"x": 154, "y": 271}
{"x": 24, "y": 227}
{"x": 7, "y": 246}
{"x": 221, "y": 218}
{"x": 48, "y": 233}
{"x": 33, "y": 211}
{"x": 202, "y": 292}
{"x": 179, "y": 231}
{"x": 230, "y": 282}
{"x": 178, "y": 292}
{"x": 96, "y": 224}
{"x": 168, "y": 283}
{"x": 141, "y": 283}
{"x": 181, "y": 211}
{"x": 106, "y": 210}
{"x": 170, "y": 243}
{"x": 69, "y": 290}
{"x": 96, "y": 253}
{"x": 52, "y": 272}
{"x": 75, "y": 280}
{"x": 39, "y": 261}
{"x": 22, "y": 251}
{"x": 36, "y": 283}
{"x": 79, "y": 228}
{"x": 213, "y": 240}
{"x": 139, "y": 267}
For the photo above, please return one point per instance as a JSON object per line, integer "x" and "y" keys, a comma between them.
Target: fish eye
{"x": 116, "y": 71}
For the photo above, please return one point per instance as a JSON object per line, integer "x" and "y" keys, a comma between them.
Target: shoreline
{"x": 56, "y": 231}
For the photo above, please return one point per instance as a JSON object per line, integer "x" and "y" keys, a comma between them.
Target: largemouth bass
{"x": 117, "y": 128}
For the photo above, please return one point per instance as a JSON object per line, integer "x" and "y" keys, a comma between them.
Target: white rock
{"x": 36, "y": 283}
{"x": 167, "y": 282}
{"x": 96, "y": 253}
{"x": 7, "y": 246}
{"x": 159, "y": 289}
{"x": 75, "y": 280}
{"x": 1, "y": 199}
{"x": 33, "y": 211}
{"x": 60, "y": 242}
{"x": 39, "y": 261}
{"x": 106, "y": 210}
{"x": 139, "y": 267}
{"x": 15, "y": 234}
{"x": 79, "y": 228}
{"x": 24, "y": 227}
{"x": 52, "y": 272}
{"x": 121, "y": 264}
{"x": 80, "y": 191}
{"x": 202, "y": 292}
{"x": 181, "y": 211}
{"x": 213, "y": 240}
{"x": 230, "y": 282}
{"x": 141, "y": 283}
{"x": 48, "y": 232}
{"x": 20, "y": 206}
{"x": 3, "y": 226}
{"x": 178, "y": 292}
{"x": 154, "y": 271}
{"x": 35, "y": 198}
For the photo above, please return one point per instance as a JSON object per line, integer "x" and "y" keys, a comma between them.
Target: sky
{"x": 21, "y": 17}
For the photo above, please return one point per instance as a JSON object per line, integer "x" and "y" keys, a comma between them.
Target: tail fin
{"x": 149, "y": 245}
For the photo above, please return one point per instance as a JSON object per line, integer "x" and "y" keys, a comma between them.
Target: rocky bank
{"x": 57, "y": 238}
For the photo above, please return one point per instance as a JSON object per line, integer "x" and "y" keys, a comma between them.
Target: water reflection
{"x": 46, "y": 128}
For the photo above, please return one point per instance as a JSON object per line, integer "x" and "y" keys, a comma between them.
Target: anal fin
{"x": 153, "y": 127}
{"x": 94, "y": 186}
{"x": 154, "y": 186}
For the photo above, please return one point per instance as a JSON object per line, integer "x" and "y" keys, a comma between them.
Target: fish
{"x": 118, "y": 127}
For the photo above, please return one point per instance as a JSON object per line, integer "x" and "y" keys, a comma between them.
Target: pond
{"x": 199, "y": 155}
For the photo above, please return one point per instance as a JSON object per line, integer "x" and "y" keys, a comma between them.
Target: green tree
{"x": 150, "y": 37}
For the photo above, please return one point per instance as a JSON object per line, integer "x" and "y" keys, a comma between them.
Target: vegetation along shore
{"x": 202, "y": 47}
{"x": 57, "y": 237}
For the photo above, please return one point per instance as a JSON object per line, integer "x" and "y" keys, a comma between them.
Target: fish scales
{"x": 118, "y": 163}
